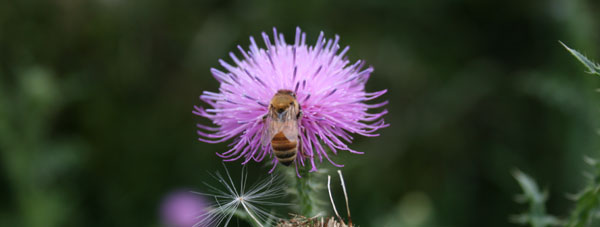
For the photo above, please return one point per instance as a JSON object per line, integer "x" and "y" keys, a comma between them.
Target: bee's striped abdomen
{"x": 284, "y": 149}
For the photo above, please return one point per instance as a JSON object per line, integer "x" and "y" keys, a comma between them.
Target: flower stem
{"x": 307, "y": 192}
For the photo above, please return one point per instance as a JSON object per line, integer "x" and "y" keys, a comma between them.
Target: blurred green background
{"x": 96, "y": 99}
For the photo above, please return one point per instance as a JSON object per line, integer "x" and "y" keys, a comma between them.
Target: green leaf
{"x": 593, "y": 68}
{"x": 588, "y": 200}
{"x": 536, "y": 215}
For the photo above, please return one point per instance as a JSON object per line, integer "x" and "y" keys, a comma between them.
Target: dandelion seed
{"x": 330, "y": 91}
{"x": 230, "y": 200}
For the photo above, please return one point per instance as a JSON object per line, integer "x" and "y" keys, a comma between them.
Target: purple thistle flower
{"x": 329, "y": 88}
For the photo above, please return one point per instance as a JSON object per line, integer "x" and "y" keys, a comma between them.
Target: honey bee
{"x": 282, "y": 126}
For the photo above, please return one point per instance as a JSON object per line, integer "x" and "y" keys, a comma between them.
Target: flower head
{"x": 329, "y": 89}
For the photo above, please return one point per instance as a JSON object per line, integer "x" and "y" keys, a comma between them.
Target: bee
{"x": 281, "y": 124}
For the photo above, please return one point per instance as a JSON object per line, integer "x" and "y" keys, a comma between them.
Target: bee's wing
{"x": 268, "y": 130}
{"x": 289, "y": 129}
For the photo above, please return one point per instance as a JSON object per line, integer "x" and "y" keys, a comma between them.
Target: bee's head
{"x": 282, "y": 101}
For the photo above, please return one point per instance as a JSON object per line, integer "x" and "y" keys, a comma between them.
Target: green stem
{"x": 305, "y": 191}
{"x": 308, "y": 190}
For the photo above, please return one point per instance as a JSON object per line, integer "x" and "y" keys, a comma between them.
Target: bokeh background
{"x": 96, "y": 97}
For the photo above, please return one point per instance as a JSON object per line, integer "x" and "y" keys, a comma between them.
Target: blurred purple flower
{"x": 182, "y": 208}
{"x": 329, "y": 89}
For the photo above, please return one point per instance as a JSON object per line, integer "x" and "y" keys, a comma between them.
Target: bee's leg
{"x": 299, "y": 115}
